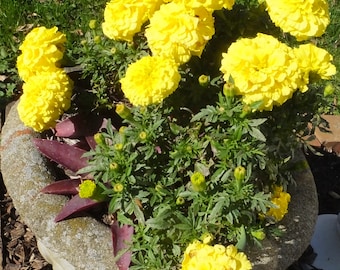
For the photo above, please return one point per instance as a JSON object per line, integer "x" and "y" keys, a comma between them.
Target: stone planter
{"x": 84, "y": 243}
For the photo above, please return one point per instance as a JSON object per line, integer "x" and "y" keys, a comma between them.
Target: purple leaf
{"x": 63, "y": 187}
{"x": 79, "y": 126}
{"x": 74, "y": 206}
{"x": 121, "y": 238}
{"x": 66, "y": 155}
{"x": 91, "y": 142}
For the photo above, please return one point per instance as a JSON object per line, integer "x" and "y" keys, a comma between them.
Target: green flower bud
{"x": 239, "y": 174}
{"x": 180, "y": 201}
{"x": 118, "y": 187}
{"x": 92, "y": 24}
{"x": 329, "y": 90}
{"x": 123, "y": 111}
{"x": 258, "y": 234}
{"x": 114, "y": 166}
{"x": 198, "y": 182}
{"x": 96, "y": 39}
{"x": 229, "y": 89}
{"x": 99, "y": 138}
{"x": 118, "y": 146}
{"x": 204, "y": 80}
{"x": 143, "y": 135}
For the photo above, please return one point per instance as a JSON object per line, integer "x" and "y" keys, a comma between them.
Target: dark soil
{"x": 19, "y": 248}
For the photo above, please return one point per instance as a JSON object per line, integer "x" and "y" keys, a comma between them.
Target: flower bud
{"x": 239, "y": 174}
{"x": 118, "y": 146}
{"x": 207, "y": 238}
{"x": 143, "y": 135}
{"x": 92, "y": 24}
{"x": 99, "y": 138}
{"x": 258, "y": 234}
{"x": 96, "y": 39}
{"x": 204, "y": 80}
{"x": 180, "y": 201}
{"x": 123, "y": 111}
{"x": 118, "y": 187}
{"x": 329, "y": 90}
{"x": 114, "y": 166}
{"x": 229, "y": 89}
{"x": 198, "y": 182}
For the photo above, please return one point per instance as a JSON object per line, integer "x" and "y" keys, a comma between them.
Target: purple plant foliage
{"x": 121, "y": 238}
{"x": 75, "y": 206}
{"x": 66, "y": 155}
{"x": 63, "y": 187}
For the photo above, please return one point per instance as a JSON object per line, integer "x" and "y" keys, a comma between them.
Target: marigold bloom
{"x": 41, "y": 51}
{"x": 150, "y": 80}
{"x": 315, "y": 62}
{"x": 200, "y": 256}
{"x": 263, "y": 69}
{"x": 301, "y": 18}
{"x": 210, "y": 4}
{"x": 87, "y": 189}
{"x": 124, "y": 18}
{"x": 45, "y": 97}
{"x": 281, "y": 199}
{"x": 177, "y": 32}
{"x": 198, "y": 181}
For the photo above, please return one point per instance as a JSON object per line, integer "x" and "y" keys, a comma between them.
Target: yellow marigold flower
{"x": 87, "y": 189}
{"x": 301, "y": 18}
{"x": 263, "y": 69}
{"x": 124, "y": 18}
{"x": 150, "y": 80}
{"x": 45, "y": 97}
{"x": 281, "y": 199}
{"x": 200, "y": 256}
{"x": 315, "y": 62}
{"x": 210, "y": 4}
{"x": 178, "y": 32}
{"x": 41, "y": 51}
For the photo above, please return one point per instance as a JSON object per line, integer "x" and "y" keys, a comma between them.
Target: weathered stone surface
{"x": 82, "y": 242}
{"x": 298, "y": 225}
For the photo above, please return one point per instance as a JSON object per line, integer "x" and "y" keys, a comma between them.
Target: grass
{"x": 17, "y": 17}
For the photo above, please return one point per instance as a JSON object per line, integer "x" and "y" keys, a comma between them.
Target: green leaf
{"x": 257, "y": 134}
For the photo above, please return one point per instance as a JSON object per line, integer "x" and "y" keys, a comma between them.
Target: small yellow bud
{"x": 83, "y": 42}
{"x": 113, "y": 50}
{"x": 118, "y": 146}
{"x": 99, "y": 138}
{"x": 118, "y": 187}
{"x": 207, "y": 238}
{"x": 92, "y": 24}
{"x": 329, "y": 90}
{"x": 114, "y": 166}
{"x": 143, "y": 135}
{"x": 96, "y": 39}
{"x": 123, "y": 111}
{"x": 198, "y": 182}
{"x": 204, "y": 80}
{"x": 122, "y": 129}
{"x": 229, "y": 89}
{"x": 239, "y": 173}
{"x": 258, "y": 234}
{"x": 180, "y": 201}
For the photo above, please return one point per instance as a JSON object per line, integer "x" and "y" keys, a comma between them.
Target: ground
{"x": 19, "y": 247}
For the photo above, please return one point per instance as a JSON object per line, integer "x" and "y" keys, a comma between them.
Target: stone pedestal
{"x": 80, "y": 243}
